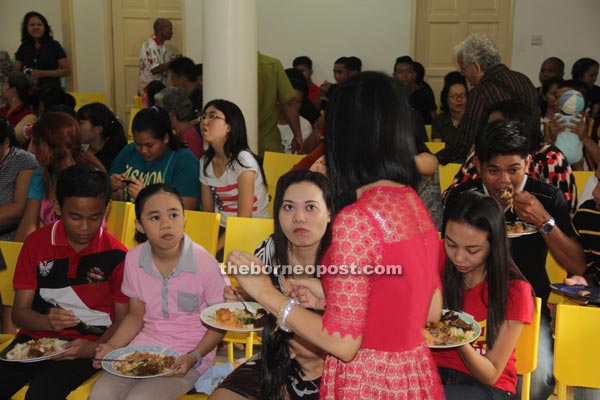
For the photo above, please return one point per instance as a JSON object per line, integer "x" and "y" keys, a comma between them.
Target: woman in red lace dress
{"x": 381, "y": 273}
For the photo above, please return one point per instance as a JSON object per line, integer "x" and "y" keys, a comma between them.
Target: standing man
{"x": 154, "y": 56}
{"x": 304, "y": 64}
{"x": 479, "y": 61}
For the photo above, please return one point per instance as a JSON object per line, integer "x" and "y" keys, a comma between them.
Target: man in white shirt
{"x": 154, "y": 56}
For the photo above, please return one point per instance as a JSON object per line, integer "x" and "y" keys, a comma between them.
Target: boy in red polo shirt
{"x": 68, "y": 285}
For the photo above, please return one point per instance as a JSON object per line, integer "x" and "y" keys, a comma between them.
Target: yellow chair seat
{"x": 434, "y": 147}
{"x": 447, "y": 173}
{"x": 82, "y": 99}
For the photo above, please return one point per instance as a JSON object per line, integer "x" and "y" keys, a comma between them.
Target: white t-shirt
{"x": 287, "y": 135}
{"x": 225, "y": 192}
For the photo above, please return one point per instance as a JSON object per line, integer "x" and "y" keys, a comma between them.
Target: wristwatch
{"x": 547, "y": 227}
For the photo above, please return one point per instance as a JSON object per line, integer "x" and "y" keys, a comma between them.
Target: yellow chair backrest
{"x": 82, "y": 99}
{"x": 447, "y": 173}
{"x": 527, "y": 349}
{"x": 576, "y": 354}
{"x": 203, "y": 228}
{"x": 275, "y": 165}
{"x": 137, "y": 101}
{"x": 434, "y": 147}
{"x": 556, "y": 274}
{"x": 581, "y": 177}
{"x": 10, "y": 253}
{"x": 120, "y": 222}
{"x": 132, "y": 114}
{"x": 428, "y": 130}
{"x": 246, "y": 233}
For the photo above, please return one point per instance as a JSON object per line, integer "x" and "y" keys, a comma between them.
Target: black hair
{"x": 561, "y": 63}
{"x": 343, "y": 61}
{"x": 112, "y": 130}
{"x": 23, "y": 84}
{"x": 404, "y": 60}
{"x": 62, "y": 108}
{"x": 82, "y": 180}
{"x": 199, "y": 69}
{"x": 502, "y": 138}
{"x": 483, "y": 213}
{"x": 26, "y": 38}
{"x": 451, "y": 79}
{"x": 369, "y": 134}
{"x": 155, "y": 120}
{"x": 354, "y": 64}
{"x": 237, "y": 139}
{"x": 142, "y": 198}
{"x": 277, "y": 363}
{"x": 302, "y": 60}
{"x": 184, "y": 66}
{"x": 420, "y": 71}
{"x": 555, "y": 80}
{"x": 50, "y": 96}
{"x": 285, "y": 181}
{"x": 297, "y": 80}
{"x": 581, "y": 66}
{"x": 7, "y": 132}
{"x": 152, "y": 89}
{"x": 514, "y": 110}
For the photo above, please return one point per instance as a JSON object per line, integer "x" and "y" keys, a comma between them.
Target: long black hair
{"x": 369, "y": 134}
{"x": 112, "y": 130}
{"x": 26, "y": 37}
{"x": 276, "y": 360}
{"x": 7, "y": 132}
{"x": 483, "y": 213}
{"x": 280, "y": 240}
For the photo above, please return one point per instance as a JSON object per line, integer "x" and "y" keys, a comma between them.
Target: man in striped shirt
{"x": 479, "y": 61}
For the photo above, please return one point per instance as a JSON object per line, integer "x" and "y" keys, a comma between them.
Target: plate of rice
{"x": 453, "y": 330}
{"x": 34, "y": 350}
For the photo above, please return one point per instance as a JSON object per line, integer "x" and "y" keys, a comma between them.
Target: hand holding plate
{"x": 78, "y": 348}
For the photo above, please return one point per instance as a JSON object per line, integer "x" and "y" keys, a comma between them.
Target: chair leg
{"x": 230, "y": 352}
{"x": 250, "y": 345}
{"x": 562, "y": 391}
{"x": 525, "y": 386}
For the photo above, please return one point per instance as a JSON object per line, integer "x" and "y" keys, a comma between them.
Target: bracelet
{"x": 285, "y": 312}
{"x": 198, "y": 358}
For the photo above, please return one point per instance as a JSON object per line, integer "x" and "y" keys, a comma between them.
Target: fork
{"x": 241, "y": 301}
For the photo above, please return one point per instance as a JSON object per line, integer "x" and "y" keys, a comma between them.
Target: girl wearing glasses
{"x": 453, "y": 102}
{"x": 155, "y": 156}
{"x": 231, "y": 177}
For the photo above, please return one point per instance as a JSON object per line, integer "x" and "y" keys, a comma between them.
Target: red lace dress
{"x": 387, "y": 226}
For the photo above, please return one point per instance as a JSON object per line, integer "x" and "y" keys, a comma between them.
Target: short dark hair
{"x": 581, "y": 66}
{"x": 297, "y": 80}
{"x": 160, "y": 23}
{"x": 152, "y": 89}
{"x": 502, "y": 138}
{"x": 404, "y": 60}
{"x": 369, "y": 134}
{"x": 561, "y": 63}
{"x": 451, "y": 79}
{"x": 302, "y": 60}
{"x": 142, "y": 198}
{"x": 185, "y": 67}
{"x": 82, "y": 180}
{"x": 23, "y": 84}
{"x": 514, "y": 110}
{"x": 343, "y": 61}
{"x": 354, "y": 64}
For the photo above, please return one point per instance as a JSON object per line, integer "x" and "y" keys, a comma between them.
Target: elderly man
{"x": 154, "y": 56}
{"x": 479, "y": 61}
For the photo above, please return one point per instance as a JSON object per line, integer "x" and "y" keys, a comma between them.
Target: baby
{"x": 571, "y": 105}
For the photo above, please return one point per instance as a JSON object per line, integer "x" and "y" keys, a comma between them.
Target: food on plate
{"x": 239, "y": 318}
{"x": 451, "y": 329}
{"x": 144, "y": 363}
{"x": 32, "y": 349}
{"x": 519, "y": 227}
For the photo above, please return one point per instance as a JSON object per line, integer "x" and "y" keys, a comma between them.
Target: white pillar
{"x": 230, "y": 58}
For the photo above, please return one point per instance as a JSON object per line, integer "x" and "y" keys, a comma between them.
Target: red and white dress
{"x": 387, "y": 226}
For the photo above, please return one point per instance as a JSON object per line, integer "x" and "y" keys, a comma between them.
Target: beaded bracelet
{"x": 198, "y": 358}
{"x": 283, "y": 314}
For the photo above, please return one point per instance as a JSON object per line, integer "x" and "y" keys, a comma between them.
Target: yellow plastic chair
{"x": 132, "y": 114}
{"x": 245, "y": 233}
{"x": 581, "y": 177}
{"x": 434, "y": 147}
{"x": 203, "y": 228}
{"x": 447, "y": 173}
{"x": 82, "y": 99}
{"x": 526, "y": 349}
{"x": 556, "y": 274}
{"x": 428, "y": 130}
{"x": 10, "y": 252}
{"x": 120, "y": 222}
{"x": 576, "y": 354}
{"x": 275, "y": 165}
{"x": 249, "y": 339}
{"x": 137, "y": 102}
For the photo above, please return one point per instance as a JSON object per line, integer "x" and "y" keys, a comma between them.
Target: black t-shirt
{"x": 195, "y": 97}
{"x": 423, "y": 101}
{"x": 529, "y": 251}
{"x": 45, "y": 58}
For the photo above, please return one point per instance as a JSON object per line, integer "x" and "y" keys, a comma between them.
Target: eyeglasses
{"x": 210, "y": 117}
{"x": 457, "y": 96}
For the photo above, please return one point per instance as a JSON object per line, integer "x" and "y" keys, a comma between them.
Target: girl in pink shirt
{"x": 169, "y": 280}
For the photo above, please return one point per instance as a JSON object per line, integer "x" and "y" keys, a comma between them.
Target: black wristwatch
{"x": 547, "y": 227}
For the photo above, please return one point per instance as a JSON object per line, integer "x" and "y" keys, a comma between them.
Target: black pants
{"x": 48, "y": 380}
{"x": 460, "y": 386}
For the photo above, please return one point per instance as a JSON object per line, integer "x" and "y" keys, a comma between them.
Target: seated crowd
{"x": 366, "y": 194}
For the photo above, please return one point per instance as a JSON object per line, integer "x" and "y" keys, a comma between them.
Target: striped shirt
{"x": 586, "y": 223}
{"x": 499, "y": 84}
{"x": 16, "y": 161}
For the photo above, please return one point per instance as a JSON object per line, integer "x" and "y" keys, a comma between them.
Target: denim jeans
{"x": 460, "y": 386}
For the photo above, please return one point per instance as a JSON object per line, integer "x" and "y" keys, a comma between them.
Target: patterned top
{"x": 388, "y": 228}
{"x": 498, "y": 84}
{"x": 548, "y": 164}
{"x": 153, "y": 54}
{"x": 16, "y": 161}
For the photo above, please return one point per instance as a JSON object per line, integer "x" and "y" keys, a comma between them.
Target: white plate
{"x": 530, "y": 230}
{"x": 6, "y": 353}
{"x": 125, "y": 351}
{"x": 208, "y": 315}
{"x": 467, "y": 318}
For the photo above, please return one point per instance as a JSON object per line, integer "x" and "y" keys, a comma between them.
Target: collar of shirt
{"x": 521, "y": 187}
{"x": 156, "y": 40}
{"x": 186, "y": 262}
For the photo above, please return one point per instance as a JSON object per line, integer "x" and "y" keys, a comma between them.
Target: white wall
{"x": 88, "y": 16}
{"x": 570, "y": 30}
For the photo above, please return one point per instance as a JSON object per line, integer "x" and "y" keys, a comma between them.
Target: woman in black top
{"x": 39, "y": 55}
